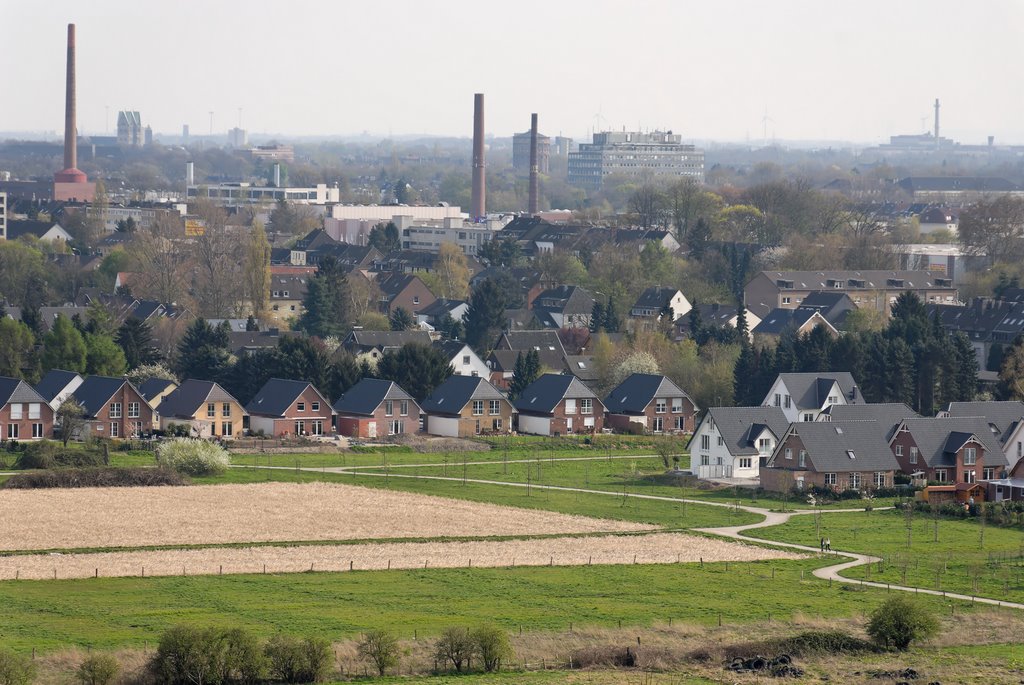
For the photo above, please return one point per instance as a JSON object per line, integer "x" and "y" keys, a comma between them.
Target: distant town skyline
{"x": 732, "y": 71}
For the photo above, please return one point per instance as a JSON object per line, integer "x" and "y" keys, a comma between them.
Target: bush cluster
{"x": 15, "y": 669}
{"x": 98, "y": 669}
{"x": 96, "y": 477}
{"x": 216, "y": 656}
{"x": 193, "y": 457}
{"x": 487, "y": 644}
{"x": 899, "y": 621}
{"x": 51, "y": 455}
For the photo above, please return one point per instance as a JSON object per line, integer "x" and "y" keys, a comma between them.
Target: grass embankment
{"x": 966, "y": 557}
{"x": 106, "y": 613}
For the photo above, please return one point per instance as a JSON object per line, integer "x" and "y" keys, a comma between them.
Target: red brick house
{"x": 837, "y": 455}
{"x": 948, "y": 450}
{"x": 290, "y": 408}
{"x": 559, "y": 404}
{"x": 24, "y": 413}
{"x": 406, "y": 291}
{"x": 114, "y": 408}
{"x": 374, "y": 408}
{"x": 650, "y": 403}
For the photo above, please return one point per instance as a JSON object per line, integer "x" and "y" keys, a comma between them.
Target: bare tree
{"x": 162, "y": 257}
{"x": 218, "y": 261}
{"x": 70, "y": 418}
{"x": 648, "y": 204}
{"x": 257, "y": 271}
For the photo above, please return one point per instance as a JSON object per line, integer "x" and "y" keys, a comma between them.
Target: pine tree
{"x": 698, "y": 238}
{"x": 416, "y": 367}
{"x": 136, "y": 340}
{"x": 966, "y": 367}
{"x": 327, "y": 307}
{"x": 899, "y": 374}
{"x": 612, "y": 320}
{"x": 696, "y": 324}
{"x": 597, "y": 317}
{"x": 203, "y": 352}
{"x": 251, "y": 325}
{"x": 402, "y": 320}
{"x": 744, "y": 374}
{"x": 515, "y": 387}
{"x": 742, "y": 327}
{"x": 64, "y": 347}
{"x": 486, "y": 316}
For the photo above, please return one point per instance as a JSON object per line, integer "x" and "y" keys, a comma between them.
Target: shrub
{"x": 899, "y": 621}
{"x": 492, "y": 646}
{"x": 103, "y": 477}
{"x": 48, "y": 455}
{"x": 98, "y": 669}
{"x": 455, "y": 645}
{"x": 193, "y": 457}
{"x": 381, "y": 648}
{"x": 15, "y": 669}
{"x": 242, "y": 660}
{"x": 187, "y": 655}
{"x": 298, "y": 661}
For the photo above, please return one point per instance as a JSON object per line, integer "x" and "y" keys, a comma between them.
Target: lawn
{"x": 967, "y": 558}
{"x": 105, "y": 613}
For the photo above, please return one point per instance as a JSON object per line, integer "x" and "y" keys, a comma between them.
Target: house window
{"x": 114, "y": 429}
{"x": 1020, "y": 449}
{"x": 415, "y": 299}
{"x": 803, "y": 458}
{"x": 778, "y": 400}
{"x": 786, "y": 300}
{"x": 913, "y": 455}
{"x": 496, "y": 424}
{"x": 789, "y": 453}
{"x": 317, "y": 427}
{"x": 300, "y": 427}
{"x": 970, "y": 457}
{"x": 16, "y": 412}
{"x": 855, "y": 481}
{"x": 659, "y": 424}
{"x": 301, "y": 406}
{"x": 494, "y": 408}
{"x": 831, "y": 480}
{"x": 314, "y": 406}
{"x": 899, "y": 450}
{"x": 225, "y": 428}
{"x": 721, "y": 441}
{"x": 677, "y": 405}
{"x": 969, "y": 476}
{"x": 764, "y": 446}
{"x": 225, "y": 409}
{"x": 115, "y": 410}
{"x": 789, "y": 401}
{"x": 988, "y": 473}
{"x": 133, "y": 410}
{"x": 478, "y": 408}
{"x": 705, "y": 442}
{"x": 37, "y": 430}
{"x": 136, "y": 429}
{"x": 403, "y": 408}
{"x": 808, "y": 417}
{"x": 570, "y": 406}
{"x": 12, "y": 431}
{"x": 879, "y": 479}
{"x": 833, "y": 399}
{"x": 940, "y": 475}
{"x": 659, "y": 406}
{"x": 680, "y": 423}
{"x": 586, "y": 406}
{"x": 33, "y": 410}
{"x": 211, "y": 410}
{"x": 465, "y": 359}
{"x": 705, "y": 460}
{"x": 389, "y": 408}
{"x": 745, "y": 462}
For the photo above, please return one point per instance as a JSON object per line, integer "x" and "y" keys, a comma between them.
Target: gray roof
{"x": 54, "y": 382}
{"x": 455, "y": 393}
{"x": 741, "y": 426}
{"x": 655, "y": 298}
{"x": 841, "y": 446}
{"x": 638, "y": 390}
{"x": 569, "y": 300}
{"x": 544, "y": 394}
{"x": 277, "y": 395}
{"x": 531, "y": 340}
{"x": 779, "y": 319}
{"x": 96, "y": 391}
{"x": 154, "y": 386}
{"x": 364, "y": 397}
{"x": 871, "y": 280}
{"x": 582, "y": 366}
{"x": 810, "y": 390}
{"x": 888, "y": 415}
{"x": 933, "y": 437}
{"x": 505, "y": 360}
{"x": 366, "y": 340}
{"x": 191, "y": 395}
{"x": 450, "y": 348}
{"x": 1003, "y": 415}
{"x": 17, "y": 390}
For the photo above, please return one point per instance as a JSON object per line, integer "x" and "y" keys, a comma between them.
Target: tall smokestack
{"x": 479, "y": 209}
{"x": 70, "y": 128}
{"x": 936, "y": 122}
{"x": 534, "y": 172}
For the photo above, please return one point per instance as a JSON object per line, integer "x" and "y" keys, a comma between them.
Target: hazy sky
{"x": 823, "y": 69}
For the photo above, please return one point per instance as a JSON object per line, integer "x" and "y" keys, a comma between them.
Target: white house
{"x": 58, "y": 385}
{"x": 464, "y": 361}
{"x": 1005, "y": 420}
{"x": 654, "y": 301}
{"x": 803, "y": 396}
{"x": 732, "y": 442}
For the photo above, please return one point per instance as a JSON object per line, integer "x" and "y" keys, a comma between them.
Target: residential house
{"x": 156, "y": 389}
{"x": 406, "y": 291}
{"x": 248, "y": 343}
{"x": 949, "y": 450}
{"x": 57, "y": 385}
{"x": 847, "y": 455}
{"x": 888, "y": 415}
{"x": 287, "y": 291}
{"x": 650, "y": 403}
{"x": 559, "y": 404}
{"x": 464, "y": 361}
{"x": 833, "y": 306}
{"x": 582, "y": 366}
{"x": 289, "y": 408}
{"x": 1005, "y": 419}
{"x": 374, "y": 408}
{"x": 770, "y": 290}
{"x": 800, "y": 321}
{"x": 803, "y": 396}
{"x": 657, "y": 302}
{"x": 24, "y": 413}
{"x": 567, "y": 306}
{"x": 639, "y": 239}
{"x": 46, "y": 231}
{"x": 734, "y": 442}
{"x": 464, "y": 406}
{"x": 986, "y": 322}
{"x": 434, "y": 313}
{"x": 208, "y": 409}
{"x": 527, "y": 282}
{"x": 715, "y": 316}
{"x": 370, "y": 346}
{"x": 114, "y": 408}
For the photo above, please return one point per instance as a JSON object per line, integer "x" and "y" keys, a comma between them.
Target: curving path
{"x": 771, "y": 518}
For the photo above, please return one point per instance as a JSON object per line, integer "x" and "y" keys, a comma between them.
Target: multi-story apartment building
{"x": 634, "y": 154}
{"x": 428, "y": 236}
{"x": 233, "y": 194}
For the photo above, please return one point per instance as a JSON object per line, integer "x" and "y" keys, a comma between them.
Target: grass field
{"x": 967, "y": 558}
{"x": 105, "y": 613}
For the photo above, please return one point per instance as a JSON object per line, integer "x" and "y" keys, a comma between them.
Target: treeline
{"x": 912, "y": 360}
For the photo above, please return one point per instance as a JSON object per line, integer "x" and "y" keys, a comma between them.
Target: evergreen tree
{"x": 847, "y": 353}
{"x": 64, "y": 347}
{"x": 744, "y": 375}
{"x": 402, "y": 320}
{"x": 136, "y": 340}
{"x": 698, "y": 237}
{"x": 696, "y": 324}
{"x": 485, "y": 318}
{"x": 785, "y": 352}
{"x": 526, "y": 371}
{"x": 103, "y": 356}
{"x": 742, "y": 327}
{"x": 343, "y": 374}
{"x": 813, "y": 350}
{"x": 612, "y": 320}
{"x": 966, "y": 368}
{"x": 899, "y": 373}
{"x": 450, "y": 328}
{"x": 203, "y": 352}
{"x": 327, "y": 306}
{"x": 875, "y": 380}
{"x": 416, "y": 367}
{"x": 385, "y": 238}
{"x": 597, "y": 317}
{"x": 251, "y": 325}
{"x": 16, "y": 343}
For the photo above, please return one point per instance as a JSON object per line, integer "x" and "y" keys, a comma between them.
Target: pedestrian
{"x": 823, "y": 544}
{"x": 828, "y": 544}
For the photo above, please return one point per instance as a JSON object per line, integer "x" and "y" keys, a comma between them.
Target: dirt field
{"x": 657, "y": 548}
{"x": 270, "y": 512}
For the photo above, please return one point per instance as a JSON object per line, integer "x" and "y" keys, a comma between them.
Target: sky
{"x": 726, "y": 70}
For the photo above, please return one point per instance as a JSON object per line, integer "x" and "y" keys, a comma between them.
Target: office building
{"x": 634, "y": 154}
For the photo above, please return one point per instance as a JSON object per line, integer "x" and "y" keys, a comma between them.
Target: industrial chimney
{"x": 533, "y": 165}
{"x": 478, "y": 210}
{"x": 70, "y": 173}
{"x": 936, "y": 122}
